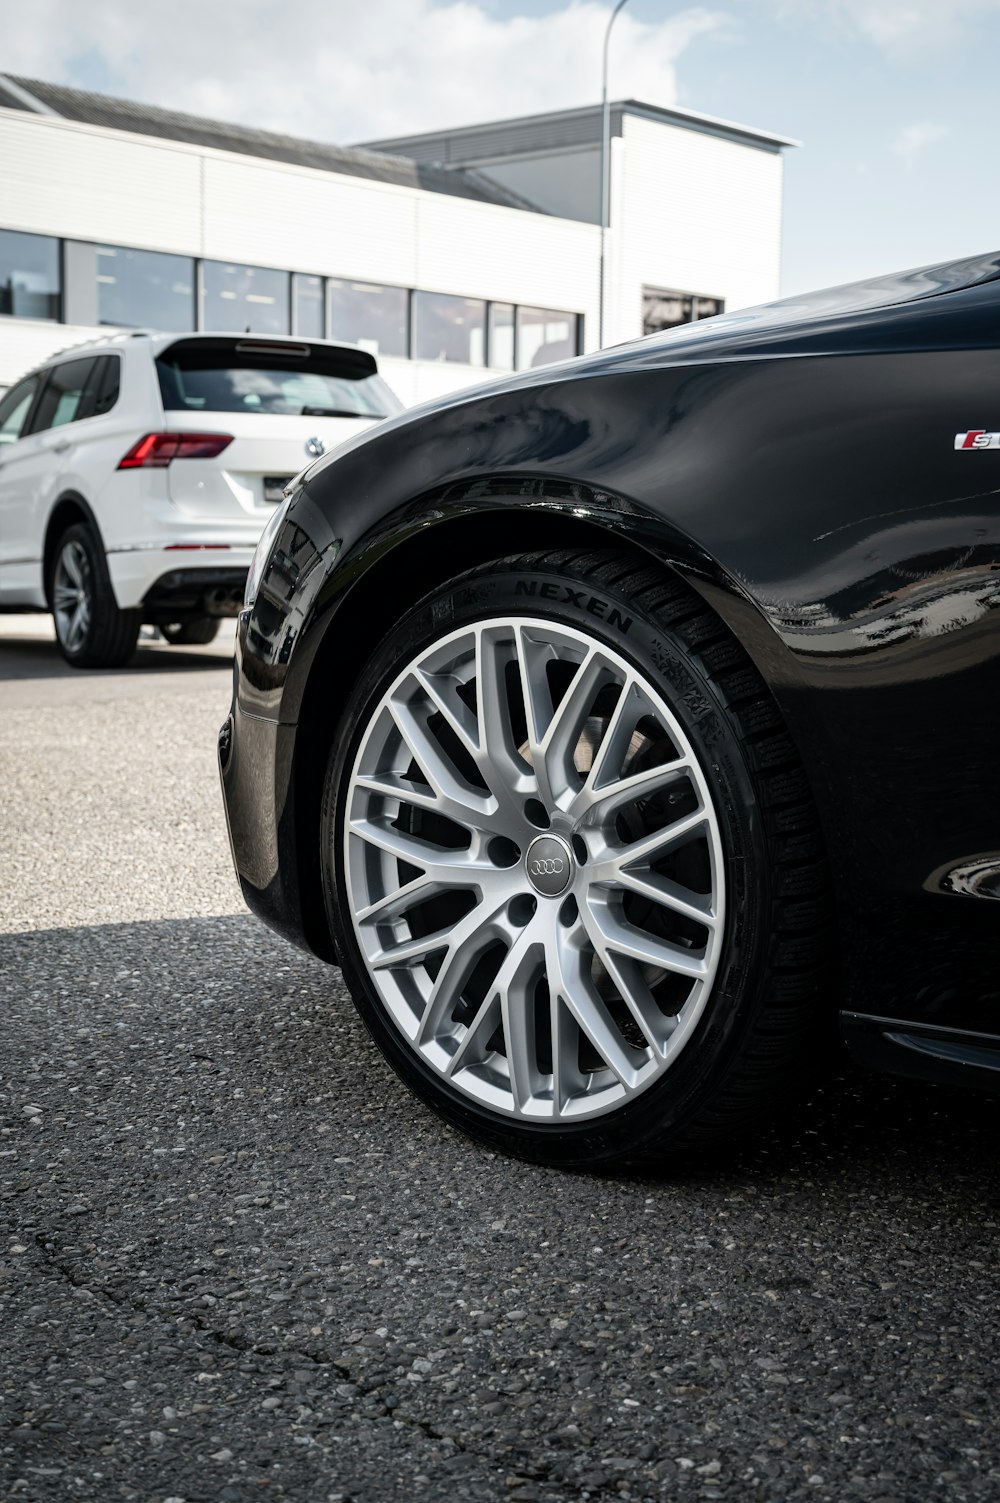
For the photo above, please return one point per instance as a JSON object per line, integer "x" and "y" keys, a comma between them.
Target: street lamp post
{"x": 605, "y": 163}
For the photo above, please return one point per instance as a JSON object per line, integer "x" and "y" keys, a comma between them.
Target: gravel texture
{"x": 239, "y": 1262}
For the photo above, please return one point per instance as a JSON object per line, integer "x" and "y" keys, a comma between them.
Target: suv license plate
{"x": 274, "y": 486}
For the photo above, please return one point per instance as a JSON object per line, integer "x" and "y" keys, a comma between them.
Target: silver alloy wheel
{"x": 534, "y": 870}
{"x": 71, "y": 595}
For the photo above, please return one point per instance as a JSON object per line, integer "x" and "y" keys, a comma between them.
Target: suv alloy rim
{"x": 71, "y": 596}
{"x": 534, "y": 870}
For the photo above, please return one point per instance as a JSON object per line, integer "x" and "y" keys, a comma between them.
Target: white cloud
{"x": 912, "y": 140}
{"x": 337, "y": 70}
{"x": 902, "y": 27}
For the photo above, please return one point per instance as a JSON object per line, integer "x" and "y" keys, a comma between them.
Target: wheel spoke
{"x": 70, "y": 561}
{"x": 395, "y": 904}
{"x": 608, "y": 932}
{"x": 457, "y": 714}
{"x": 506, "y": 774}
{"x": 657, "y": 843}
{"x": 467, "y": 940}
{"x": 559, "y": 778}
{"x": 657, "y": 1027}
{"x": 77, "y": 625}
{"x": 571, "y": 979}
{"x": 451, "y": 792}
{"x": 517, "y": 1005}
{"x": 672, "y": 895}
{"x": 458, "y": 867}
{"x": 469, "y": 810}
{"x": 607, "y": 801}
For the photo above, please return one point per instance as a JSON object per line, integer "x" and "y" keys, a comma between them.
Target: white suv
{"x": 137, "y": 473}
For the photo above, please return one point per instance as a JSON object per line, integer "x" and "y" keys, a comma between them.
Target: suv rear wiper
{"x": 337, "y": 412}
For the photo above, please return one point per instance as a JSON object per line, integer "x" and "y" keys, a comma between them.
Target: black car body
{"x": 821, "y": 473}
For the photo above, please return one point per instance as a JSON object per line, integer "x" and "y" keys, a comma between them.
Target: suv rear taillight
{"x": 156, "y": 450}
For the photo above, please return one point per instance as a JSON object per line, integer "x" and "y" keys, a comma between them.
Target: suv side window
{"x": 62, "y": 398}
{"x": 14, "y": 408}
{"x": 104, "y": 387}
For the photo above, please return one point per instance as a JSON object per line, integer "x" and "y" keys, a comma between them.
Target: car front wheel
{"x": 571, "y": 864}
{"x": 91, "y": 630}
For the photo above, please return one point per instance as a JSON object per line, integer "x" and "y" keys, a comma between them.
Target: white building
{"x": 451, "y": 255}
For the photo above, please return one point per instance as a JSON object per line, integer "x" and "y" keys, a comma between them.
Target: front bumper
{"x": 255, "y": 764}
{"x": 266, "y": 750}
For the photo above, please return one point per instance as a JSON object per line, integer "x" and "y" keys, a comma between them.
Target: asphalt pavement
{"x": 239, "y": 1262}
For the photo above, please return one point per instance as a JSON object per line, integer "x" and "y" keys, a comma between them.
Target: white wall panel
{"x": 695, "y": 213}
{"x": 25, "y": 343}
{"x": 507, "y": 255}
{"x": 309, "y": 221}
{"x": 62, "y": 178}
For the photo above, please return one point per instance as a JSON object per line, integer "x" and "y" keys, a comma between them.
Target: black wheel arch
{"x": 468, "y": 530}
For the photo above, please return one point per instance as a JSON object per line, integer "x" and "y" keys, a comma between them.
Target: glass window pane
{"x": 29, "y": 275}
{"x": 708, "y": 307}
{"x": 307, "y": 295}
{"x": 544, "y": 335}
{"x": 63, "y": 394}
{"x": 502, "y": 336}
{"x": 244, "y": 299}
{"x": 106, "y": 385}
{"x": 450, "y": 328}
{"x": 144, "y": 289}
{"x": 376, "y": 318}
{"x": 14, "y": 409}
{"x": 330, "y": 383}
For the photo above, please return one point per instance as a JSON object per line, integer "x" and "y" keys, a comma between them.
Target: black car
{"x": 625, "y": 727}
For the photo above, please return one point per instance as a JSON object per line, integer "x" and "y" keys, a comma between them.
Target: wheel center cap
{"x": 550, "y": 865}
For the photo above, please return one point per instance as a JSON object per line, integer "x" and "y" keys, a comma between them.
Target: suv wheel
{"x": 571, "y": 864}
{"x": 91, "y": 631}
{"x": 196, "y": 632}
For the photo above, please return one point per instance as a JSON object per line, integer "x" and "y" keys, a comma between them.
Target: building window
{"x": 667, "y": 310}
{"x": 376, "y": 318}
{"x": 307, "y": 306}
{"x": 502, "y": 336}
{"x": 30, "y": 283}
{"x": 543, "y": 335}
{"x": 244, "y": 299}
{"x": 449, "y": 328}
{"x": 145, "y": 289}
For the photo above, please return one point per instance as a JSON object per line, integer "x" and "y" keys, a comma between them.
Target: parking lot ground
{"x": 239, "y": 1262}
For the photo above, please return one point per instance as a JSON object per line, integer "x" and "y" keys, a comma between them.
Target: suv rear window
{"x": 289, "y": 381}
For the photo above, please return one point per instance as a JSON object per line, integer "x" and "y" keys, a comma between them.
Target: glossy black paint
{"x": 796, "y": 464}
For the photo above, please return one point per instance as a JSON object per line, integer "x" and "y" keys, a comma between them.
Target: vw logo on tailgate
{"x": 315, "y": 447}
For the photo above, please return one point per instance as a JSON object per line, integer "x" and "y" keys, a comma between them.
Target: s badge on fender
{"x": 977, "y": 438}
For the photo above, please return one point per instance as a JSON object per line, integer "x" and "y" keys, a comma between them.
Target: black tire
{"x": 769, "y": 1011}
{"x": 107, "y": 638}
{"x": 196, "y": 632}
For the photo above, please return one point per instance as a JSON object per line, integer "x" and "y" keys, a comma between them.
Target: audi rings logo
{"x": 548, "y": 863}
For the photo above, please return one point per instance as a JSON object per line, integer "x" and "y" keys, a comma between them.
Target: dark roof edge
{"x": 24, "y": 98}
{"x": 109, "y": 112}
{"x": 687, "y": 119}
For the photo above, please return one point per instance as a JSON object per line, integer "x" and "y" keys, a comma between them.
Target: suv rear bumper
{"x": 181, "y": 579}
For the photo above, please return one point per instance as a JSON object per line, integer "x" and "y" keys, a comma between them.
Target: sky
{"x": 895, "y": 101}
